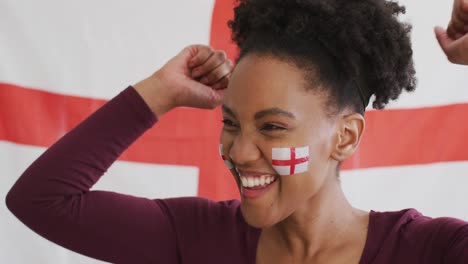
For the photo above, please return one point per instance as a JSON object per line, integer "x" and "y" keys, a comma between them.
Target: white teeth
{"x": 244, "y": 181}
{"x": 250, "y": 182}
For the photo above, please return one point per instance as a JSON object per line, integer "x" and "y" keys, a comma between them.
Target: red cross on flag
{"x": 226, "y": 161}
{"x": 288, "y": 161}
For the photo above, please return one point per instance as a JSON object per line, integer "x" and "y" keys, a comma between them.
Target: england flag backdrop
{"x": 61, "y": 60}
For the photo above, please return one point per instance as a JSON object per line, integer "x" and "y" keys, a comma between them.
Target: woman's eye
{"x": 272, "y": 127}
{"x": 228, "y": 123}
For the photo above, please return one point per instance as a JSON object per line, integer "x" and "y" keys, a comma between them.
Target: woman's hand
{"x": 196, "y": 77}
{"x": 454, "y": 40}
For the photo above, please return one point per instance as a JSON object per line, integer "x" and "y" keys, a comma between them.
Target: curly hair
{"x": 357, "y": 47}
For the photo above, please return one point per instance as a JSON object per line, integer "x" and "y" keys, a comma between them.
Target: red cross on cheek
{"x": 280, "y": 164}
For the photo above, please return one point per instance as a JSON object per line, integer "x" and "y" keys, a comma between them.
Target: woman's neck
{"x": 325, "y": 223}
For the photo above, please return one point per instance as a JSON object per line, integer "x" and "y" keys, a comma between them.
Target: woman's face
{"x": 267, "y": 107}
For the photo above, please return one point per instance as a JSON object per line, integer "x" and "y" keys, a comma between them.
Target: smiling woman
{"x": 293, "y": 111}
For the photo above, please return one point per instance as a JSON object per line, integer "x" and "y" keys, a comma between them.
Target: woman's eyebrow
{"x": 263, "y": 113}
{"x": 227, "y": 110}
{"x": 274, "y": 111}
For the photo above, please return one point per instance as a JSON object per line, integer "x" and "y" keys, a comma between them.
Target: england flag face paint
{"x": 289, "y": 161}
{"x": 226, "y": 161}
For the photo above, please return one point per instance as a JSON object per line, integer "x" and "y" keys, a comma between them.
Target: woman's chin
{"x": 256, "y": 219}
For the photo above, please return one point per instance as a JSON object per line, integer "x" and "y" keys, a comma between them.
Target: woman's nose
{"x": 244, "y": 151}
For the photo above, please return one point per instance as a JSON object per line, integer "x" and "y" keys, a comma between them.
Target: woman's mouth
{"x": 257, "y": 182}
{"x": 254, "y": 185}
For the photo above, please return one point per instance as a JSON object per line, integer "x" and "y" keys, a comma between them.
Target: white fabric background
{"x": 96, "y": 48}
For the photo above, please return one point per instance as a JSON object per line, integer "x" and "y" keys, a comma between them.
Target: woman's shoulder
{"x": 199, "y": 207}
{"x": 204, "y": 213}
{"x": 218, "y": 227}
{"x": 413, "y": 221}
{"x": 416, "y": 235}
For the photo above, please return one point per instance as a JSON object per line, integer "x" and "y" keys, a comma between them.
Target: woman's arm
{"x": 454, "y": 40}
{"x": 53, "y": 195}
{"x": 454, "y": 43}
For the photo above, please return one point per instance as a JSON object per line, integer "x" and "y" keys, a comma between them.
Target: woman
{"x": 293, "y": 111}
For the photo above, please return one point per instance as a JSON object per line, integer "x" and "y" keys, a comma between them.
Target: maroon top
{"x": 53, "y": 198}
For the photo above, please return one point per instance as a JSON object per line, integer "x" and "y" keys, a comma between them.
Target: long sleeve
{"x": 407, "y": 236}
{"x": 457, "y": 246}
{"x": 53, "y": 197}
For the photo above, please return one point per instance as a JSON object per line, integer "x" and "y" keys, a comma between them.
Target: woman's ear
{"x": 349, "y": 132}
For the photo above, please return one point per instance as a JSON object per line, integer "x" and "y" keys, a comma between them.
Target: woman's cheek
{"x": 292, "y": 160}
{"x": 224, "y": 157}
{"x": 225, "y": 144}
